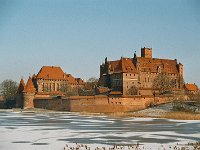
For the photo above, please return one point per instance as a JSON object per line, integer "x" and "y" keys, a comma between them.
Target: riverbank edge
{"x": 176, "y": 115}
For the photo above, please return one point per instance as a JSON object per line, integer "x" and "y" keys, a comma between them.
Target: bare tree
{"x": 162, "y": 83}
{"x": 68, "y": 90}
{"x": 89, "y": 87}
{"x": 8, "y": 89}
{"x": 133, "y": 90}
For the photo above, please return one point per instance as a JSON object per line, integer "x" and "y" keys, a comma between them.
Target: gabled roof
{"x": 124, "y": 65}
{"x": 191, "y": 87}
{"x": 56, "y": 73}
{"x": 152, "y": 64}
{"x": 51, "y": 72}
{"x": 21, "y": 86}
{"x": 29, "y": 88}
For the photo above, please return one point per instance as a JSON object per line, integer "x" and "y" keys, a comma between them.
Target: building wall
{"x": 100, "y": 104}
{"x": 28, "y": 100}
{"x": 129, "y": 80}
{"x": 49, "y": 85}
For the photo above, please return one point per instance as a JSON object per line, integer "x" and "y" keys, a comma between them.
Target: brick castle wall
{"x": 99, "y": 104}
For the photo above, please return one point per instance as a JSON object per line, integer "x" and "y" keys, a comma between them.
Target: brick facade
{"x": 121, "y": 75}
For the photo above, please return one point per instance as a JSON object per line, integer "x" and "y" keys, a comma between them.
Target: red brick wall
{"x": 101, "y": 104}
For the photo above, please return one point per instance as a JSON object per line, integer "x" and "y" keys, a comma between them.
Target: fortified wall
{"x": 100, "y": 103}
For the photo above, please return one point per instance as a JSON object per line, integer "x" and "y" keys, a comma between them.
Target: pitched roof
{"x": 191, "y": 87}
{"x": 152, "y": 65}
{"x": 51, "y": 72}
{"x": 56, "y": 73}
{"x": 124, "y": 65}
{"x": 21, "y": 86}
{"x": 29, "y": 88}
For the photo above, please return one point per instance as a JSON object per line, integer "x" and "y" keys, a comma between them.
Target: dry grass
{"x": 182, "y": 116}
{"x": 168, "y": 115}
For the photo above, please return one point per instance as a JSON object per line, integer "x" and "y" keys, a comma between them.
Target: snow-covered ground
{"x": 52, "y": 131}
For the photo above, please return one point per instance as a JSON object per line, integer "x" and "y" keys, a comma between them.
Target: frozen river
{"x": 52, "y": 131}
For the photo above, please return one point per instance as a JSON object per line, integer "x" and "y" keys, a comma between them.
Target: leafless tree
{"x": 8, "y": 89}
{"x": 162, "y": 83}
{"x": 132, "y": 91}
{"x": 68, "y": 90}
{"x": 89, "y": 87}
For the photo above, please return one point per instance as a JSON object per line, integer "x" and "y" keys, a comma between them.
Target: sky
{"x": 77, "y": 35}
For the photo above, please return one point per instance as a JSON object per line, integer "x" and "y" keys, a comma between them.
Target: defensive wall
{"x": 100, "y": 103}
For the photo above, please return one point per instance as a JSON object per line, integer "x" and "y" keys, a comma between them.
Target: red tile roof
{"x": 56, "y": 73}
{"x": 152, "y": 64}
{"x": 21, "y": 86}
{"x": 29, "y": 88}
{"x": 124, "y": 65}
{"x": 191, "y": 87}
{"x": 51, "y": 72}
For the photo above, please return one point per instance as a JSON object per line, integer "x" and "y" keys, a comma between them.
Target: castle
{"x": 140, "y": 72}
{"x": 49, "y": 81}
{"x": 44, "y": 90}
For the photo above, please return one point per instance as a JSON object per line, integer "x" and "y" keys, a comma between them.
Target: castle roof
{"x": 124, "y": 65}
{"x": 51, "y": 72}
{"x": 152, "y": 65}
{"x": 21, "y": 86}
{"x": 29, "y": 88}
{"x": 56, "y": 73}
{"x": 191, "y": 87}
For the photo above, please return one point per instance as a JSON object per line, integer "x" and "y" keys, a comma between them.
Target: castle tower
{"x": 146, "y": 52}
{"x": 19, "y": 94}
{"x": 181, "y": 74}
{"x": 29, "y": 94}
{"x": 180, "y": 69}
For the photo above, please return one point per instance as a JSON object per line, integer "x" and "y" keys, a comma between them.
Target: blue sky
{"x": 78, "y": 34}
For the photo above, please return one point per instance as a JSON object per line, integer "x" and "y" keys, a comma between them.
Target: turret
{"x": 19, "y": 94}
{"x": 146, "y": 52}
{"x": 180, "y": 69}
{"x": 181, "y": 74}
{"x": 29, "y": 94}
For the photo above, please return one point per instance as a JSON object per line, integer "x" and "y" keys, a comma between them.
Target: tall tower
{"x": 19, "y": 94}
{"x": 146, "y": 52}
{"x": 29, "y": 94}
{"x": 181, "y": 75}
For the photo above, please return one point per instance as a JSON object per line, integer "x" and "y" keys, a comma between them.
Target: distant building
{"x": 140, "y": 72}
{"x": 49, "y": 81}
{"x": 191, "y": 88}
